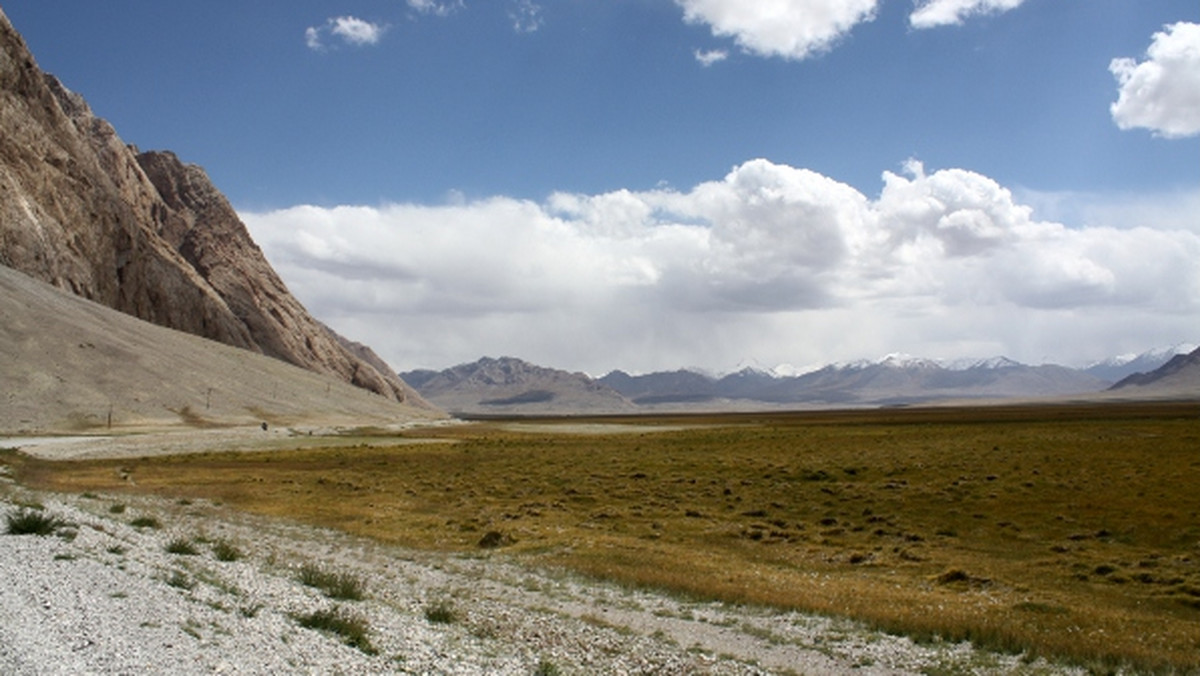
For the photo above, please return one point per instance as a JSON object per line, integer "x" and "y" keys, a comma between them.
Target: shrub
{"x": 182, "y": 546}
{"x": 547, "y": 668}
{"x": 116, "y": 509}
{"x": 32, "y": 522}
{"x": 146, "y": 522}
{"x": 351, "y": 628}
{"x": 344, "y": 586}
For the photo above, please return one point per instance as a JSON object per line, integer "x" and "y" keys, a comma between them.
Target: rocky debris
{"x": 143, "y": 233}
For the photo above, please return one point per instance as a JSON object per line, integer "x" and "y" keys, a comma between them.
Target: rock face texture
{"x": 143, "y": 233}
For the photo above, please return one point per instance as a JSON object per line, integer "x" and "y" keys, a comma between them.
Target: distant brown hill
{"x": 144, "y": 233}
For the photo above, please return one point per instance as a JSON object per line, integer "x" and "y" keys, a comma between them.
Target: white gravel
{"x": 103, "y": 597}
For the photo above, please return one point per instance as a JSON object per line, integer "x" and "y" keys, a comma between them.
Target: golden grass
{"x": 1071, "y": 532}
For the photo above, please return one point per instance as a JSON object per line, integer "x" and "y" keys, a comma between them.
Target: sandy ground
{"x": 147, "y": 442}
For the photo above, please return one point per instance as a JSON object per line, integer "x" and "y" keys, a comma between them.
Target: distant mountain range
{"x": 509, "y": 386}
{"x": 512, "y": 386}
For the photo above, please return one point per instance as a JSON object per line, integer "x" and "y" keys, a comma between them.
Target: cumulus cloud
{"x": 770, "y": 263}
{"x": 349, "y": 29}
{"x": 791, "y": 29}
{"x": 931, "y": 13}
{"x": 1162, "y": 93}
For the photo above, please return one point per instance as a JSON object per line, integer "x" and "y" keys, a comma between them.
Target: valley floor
{"x": 101, "y": 595}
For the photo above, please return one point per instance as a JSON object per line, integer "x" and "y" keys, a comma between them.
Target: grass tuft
{"x": 342, "y": 586}
{"x": 441, "y": 613}
{"x": 180, "y": 580}
{"x": 146, "y": 522}
{"x": 182, "y": 546}
{"x": 32, "y": 522}
{"x": 351, "y": 628}
{"x": 225, "y": 550}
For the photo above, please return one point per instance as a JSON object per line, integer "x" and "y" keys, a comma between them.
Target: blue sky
{"x": 660, "y": 158}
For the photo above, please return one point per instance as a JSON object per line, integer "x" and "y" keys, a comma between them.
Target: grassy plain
{"x": 1071, "y": 532}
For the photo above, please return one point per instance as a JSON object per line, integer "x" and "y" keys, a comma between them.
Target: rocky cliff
{"x": 143, "y": 233}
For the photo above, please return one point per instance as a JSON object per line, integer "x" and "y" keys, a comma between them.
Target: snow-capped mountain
{"x": 1122, "y": 366}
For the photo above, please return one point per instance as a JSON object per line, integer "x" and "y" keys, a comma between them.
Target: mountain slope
{"x": 513, "y": 386}
{"x": 1114, "y": 369}
{"x": 666, "y": 387}
{"x": 1179, "y": 376}
{"x": 142, "y": 233}
{"x": 69, "y": 364}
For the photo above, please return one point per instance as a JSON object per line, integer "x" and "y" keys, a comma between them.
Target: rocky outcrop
{"x": 143, "y": 233}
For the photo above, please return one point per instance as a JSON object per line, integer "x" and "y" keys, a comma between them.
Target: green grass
{"x": 27, "y": 521}
{"x": 1063, "y": 531}
{"x": 350, "y": 628}
{"x": 336, "y": 585}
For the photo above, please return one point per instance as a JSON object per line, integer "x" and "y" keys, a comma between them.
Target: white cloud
{"x": 349, "y": 29}
{"x": 1162, "y": 93}
{"x": 356, "y": 31}
{"x": 931, "y": 13}
{"x": 711, "y": 56}
{"x": 771, "y": 264}
{"x": 526, "y": 16}
{"x": 798, "y": 29}
{"x": 791, "y": 29}
{"x": 312, "y": 38}
{"x": 436, "y": 8}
